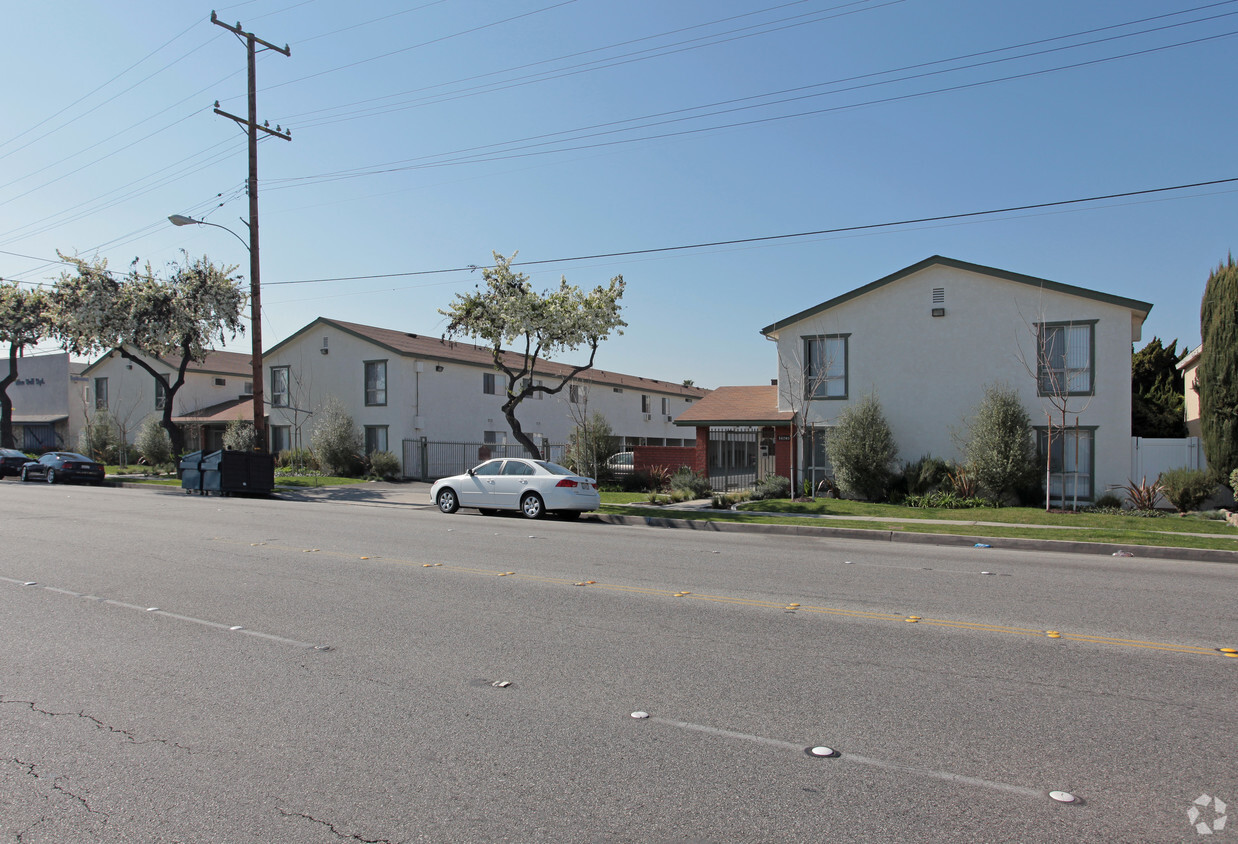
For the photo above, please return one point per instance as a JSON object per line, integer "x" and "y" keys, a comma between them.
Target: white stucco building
{"x": 49, "y": 402}
{"x": 928, "y": 338}
{"x": 405, "y": 391}
{"x": 215, "y": 391}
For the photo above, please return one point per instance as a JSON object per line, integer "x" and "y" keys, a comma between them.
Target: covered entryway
{"x": 741, "y": 436}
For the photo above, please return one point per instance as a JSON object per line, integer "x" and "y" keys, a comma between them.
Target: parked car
{"x": 60, "y": 466}
{"x": 621, "y": 463}
{"x": 532, "y": 487}
{"x": 11, "y": 461}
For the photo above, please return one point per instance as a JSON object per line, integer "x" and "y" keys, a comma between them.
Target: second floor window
{"x": 645, "y": 404}
{"x": 573, "y": 393}
{"x": 279, "y": 386}
{"x": 1064, "y": 358}
{"x": 161, "y": 394}
{"x": 488, "y": 385}
{"x": 100, "y": 394}
{"x": 666, "y": 406}
{"x": 375, "y": 382}
{"x": 825, "y": 367}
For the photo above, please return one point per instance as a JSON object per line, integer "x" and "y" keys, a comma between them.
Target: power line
{"x": 462, "y": 156}
{"x": 788, "y": 236}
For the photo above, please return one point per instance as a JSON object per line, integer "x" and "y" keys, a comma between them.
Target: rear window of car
{"x": 554, "y": 468}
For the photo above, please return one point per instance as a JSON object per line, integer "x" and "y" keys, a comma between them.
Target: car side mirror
{"x": 471, "y": 473}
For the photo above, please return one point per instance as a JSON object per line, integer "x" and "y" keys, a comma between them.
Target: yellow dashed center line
{"x": 655, "y": 592}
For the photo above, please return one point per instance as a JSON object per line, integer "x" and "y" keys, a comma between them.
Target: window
{"x": 375, "y": 382}
{"x": 221, "y": 382}
{"x": 489, "y": 468}
{"x": 161, "y": 394}
{"x": 375, "y": 438}
{"x": 573, "y": 393}
{"x": 1071, "y": 462}
{"x": 528, "y": 383}
{"x": 248, "y": 389}
{"x": 488, "y": 383}
{"x": 279, "y": 386}
{"x": 666, "y": 406}
{"x": 100, "y": 394}
{"x": 281, "y": 439}
{"x": 516, "y": 467}
{"x": 645, "y": 404}
{"x": 494, "y": 437}
{"x": 825, "y": 366}
{"x": 1064, "y": 365}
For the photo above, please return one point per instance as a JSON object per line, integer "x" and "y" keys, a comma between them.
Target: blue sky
{"x": 428, "y": 133}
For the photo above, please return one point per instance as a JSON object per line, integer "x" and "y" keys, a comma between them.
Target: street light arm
{"x": 182, "y": 220}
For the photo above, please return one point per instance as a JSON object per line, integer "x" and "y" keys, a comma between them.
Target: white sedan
{"x": 534, "y": 487}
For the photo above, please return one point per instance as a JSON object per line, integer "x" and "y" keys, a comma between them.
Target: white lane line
{"x": 944, "y": 776}
{"x": 231, "y": 628}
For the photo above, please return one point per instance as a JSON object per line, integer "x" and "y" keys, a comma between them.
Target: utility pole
{"x": 255, "y": 285}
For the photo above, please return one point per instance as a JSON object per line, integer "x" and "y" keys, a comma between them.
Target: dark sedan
{"x": 59, "y": 466}
{"x": 11, "y": 461}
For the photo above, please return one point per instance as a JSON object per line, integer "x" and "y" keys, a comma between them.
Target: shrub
{"x": 336, "y": 440}
{"x": 1142, "y": 495}
{"x": 697, "y": 485}
{"x": 1233, "y": 482}
{"x": 861, "y": 448}
{"x": 772, "y": 486}
{"x": 946, "y": 500}
{"x": 999, "y": 452}
{"x": 592, "y": 442}
{"x": 153, "y": 443}
{"x": 296, "y": 458}
{"x": 963, "y": 483}
{"x": 727, "y": 500}
{"x": 660, "y": 476}
{"x": 1108, "y": 501}
{"x": 384, "y": 465}
{"x": 240, "y": 435}
{"x": 100, "y": 439}
{"x": 1186, "y": 489}
{"x": 925, "y": 475}
{"x": 636, "y": 482}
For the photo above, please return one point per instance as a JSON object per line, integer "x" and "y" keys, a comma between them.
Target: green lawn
{"x": 1015, "y": 522}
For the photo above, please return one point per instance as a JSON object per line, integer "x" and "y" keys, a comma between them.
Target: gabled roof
{"x": 215, "y": 363}
{"x": 737, "y": 406}
{"x": 1133, "y": 304}
{"x": 411, "y": 345}
{"x": 1191, "y": 359}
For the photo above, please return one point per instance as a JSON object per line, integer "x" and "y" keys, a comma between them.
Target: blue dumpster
{"x": 190, "y": 470}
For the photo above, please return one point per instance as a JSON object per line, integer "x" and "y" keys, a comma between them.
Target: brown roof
{"x": 435, "y": 348}
{"x": 222, "y": 412}
{"x": 737, "y": 406}
{"x": 216, "y": 363}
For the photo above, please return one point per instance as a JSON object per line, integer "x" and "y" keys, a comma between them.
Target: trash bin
{"x": 190, "y": 470}
{"x": 248, "y": 472}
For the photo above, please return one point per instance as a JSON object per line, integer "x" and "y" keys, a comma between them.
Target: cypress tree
{"x": 1218, "y": 370}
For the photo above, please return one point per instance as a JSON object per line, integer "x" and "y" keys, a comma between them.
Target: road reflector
{"x": 1053, "y": 634}
{"x": 639, "y": 715}
{"x": 1063, "y": 796}
{"x": 821, "y": 752}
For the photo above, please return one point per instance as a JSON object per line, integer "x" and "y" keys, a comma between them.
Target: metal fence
{"x": 429, "y": 461}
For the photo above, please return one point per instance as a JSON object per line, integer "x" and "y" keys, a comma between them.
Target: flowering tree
{"x": 23, "y": 322}
{"x": 141, "y": 316}
{"x": 508, "y": 311}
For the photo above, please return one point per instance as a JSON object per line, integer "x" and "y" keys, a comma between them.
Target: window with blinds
{"x": 1065, "y": 364}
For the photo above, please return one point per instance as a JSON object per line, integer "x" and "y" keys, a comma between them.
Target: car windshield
{"x": 554, "y": 468}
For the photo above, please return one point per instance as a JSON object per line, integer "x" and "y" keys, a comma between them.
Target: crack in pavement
{"x": 128, "y": 736}
{"x": 59, "y": 784}
{"x": 335, "y": 831}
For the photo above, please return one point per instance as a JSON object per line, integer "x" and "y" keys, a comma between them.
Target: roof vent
{"x": 939, "y": 301}
{"x": 414, "y": 336}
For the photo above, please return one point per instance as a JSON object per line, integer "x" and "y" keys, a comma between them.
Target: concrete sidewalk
{"x": 416, "y": 494}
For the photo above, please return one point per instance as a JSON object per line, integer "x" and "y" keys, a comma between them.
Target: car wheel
{"x": 532, "y": 507}
{"x": 447, "y": 501}
{"x": 51, "y": 476}
{"x": 568, "y": 515}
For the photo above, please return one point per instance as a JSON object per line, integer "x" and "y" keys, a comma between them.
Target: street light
{"x": 255, "y": 318}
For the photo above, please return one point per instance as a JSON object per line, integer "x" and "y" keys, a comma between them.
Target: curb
{"x": 1203, "y": 555}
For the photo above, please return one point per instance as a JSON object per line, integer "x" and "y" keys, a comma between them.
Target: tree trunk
{"x": 509, "y": 412}
{"x": 6, "y": 403}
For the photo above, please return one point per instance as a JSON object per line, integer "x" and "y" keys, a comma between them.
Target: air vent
{"x": 220, "y": 382}
{"x": 939, "y": 295}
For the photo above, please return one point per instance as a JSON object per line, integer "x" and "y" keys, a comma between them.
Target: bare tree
{"x": 812, "y": 374}
{"x": 1063, "y": 372}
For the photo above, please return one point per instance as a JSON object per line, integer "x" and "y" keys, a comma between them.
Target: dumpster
{"x": 228, "y": 472}
{"x": 190, "y": 470}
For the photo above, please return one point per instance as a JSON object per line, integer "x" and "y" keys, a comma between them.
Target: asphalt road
{"x": 132, "y": 711}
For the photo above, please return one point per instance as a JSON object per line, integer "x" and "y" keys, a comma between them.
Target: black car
{"x": 58, "y": 466}
{"x": 11, "y": 461}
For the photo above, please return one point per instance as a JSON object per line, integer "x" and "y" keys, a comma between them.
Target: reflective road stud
{"x": 1053, "y": 634}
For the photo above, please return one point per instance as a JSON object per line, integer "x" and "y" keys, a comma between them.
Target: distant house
{"x": 1189, "y": 366}
{"x": 436, "y": 404}
{"x": 216, "y": 391}
{"x": 49, "y": 402}
{"x": 927, "y": 340}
